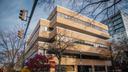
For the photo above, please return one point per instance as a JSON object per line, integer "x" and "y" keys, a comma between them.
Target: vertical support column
{"x": 52, "y": 69}
{"x": 75, "y": 67}
{"x": 93, "y": 68}
{"x": 106, "y": 69}
{"x": 43, "y": 52}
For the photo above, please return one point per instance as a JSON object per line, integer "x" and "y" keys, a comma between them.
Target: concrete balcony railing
{"x": 84, "y": 49}
{"x": 81, "y": 27}
{"x": 81, "y": 36}
{"x": 47, "y": 34}
{"x": 41, "y": 35}
{"x": 76, "y": 61}
{"x": 60, "y": 21}
{"x": 35, "y": 34}
{"x": 91, "y": 50}
{"x": 33, "y": 39}
{"x": 73, "y": 14}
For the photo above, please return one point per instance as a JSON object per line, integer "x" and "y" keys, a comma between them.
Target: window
{"x": 118, "y": 26}
{"x": 43, "y": 28}
{"x": 70, "y": 68}
{"x": 90, "y": 44}
{"x": 80, "y": 21}
{"x": 50, "y": 28}
{"x": 65, "y": 68}
{"x": 117, "y": 21}
{"x": 110, "y": 69}
{"x": 116, "y": 17}
{"x": 84, "y": 68}
{"x": 99, "y": 68}
{"x": 121, "y": 29}
{"x": 84, "y": 42}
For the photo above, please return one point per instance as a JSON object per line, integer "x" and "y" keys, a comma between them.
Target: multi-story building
{"x": 118, "y": 24}
{"x": 91, "y": 52}
{"x": 118, "y": 29}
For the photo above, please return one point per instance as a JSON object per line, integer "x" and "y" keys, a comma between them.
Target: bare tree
{"x": 99, "y": 8}
{"x": 59, "y": 46}
{"x": 120, "y": 46}
{"x": 10, "y": 47}
{"x": 120, "y": 50}
{"x": 96, "y": 9}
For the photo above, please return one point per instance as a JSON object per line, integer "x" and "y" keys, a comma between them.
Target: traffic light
{"x": 20, "y": 34}
{"x": 22, "y": 15}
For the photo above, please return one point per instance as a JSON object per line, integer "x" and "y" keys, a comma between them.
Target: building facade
{"x": 90, "y": 52}
{"x": 118, "y": 24}
{"x": 118, "y": 29}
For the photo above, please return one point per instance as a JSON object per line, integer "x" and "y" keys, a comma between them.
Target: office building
{"x": 118, "y": 24}
{"x": 90, "y": 51}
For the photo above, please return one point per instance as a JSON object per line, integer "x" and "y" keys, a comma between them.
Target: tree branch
{"x": 107, "y": 8}
{"x": 101, "y": 1}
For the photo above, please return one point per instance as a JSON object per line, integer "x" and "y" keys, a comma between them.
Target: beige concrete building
{"x": 90, "y": 52}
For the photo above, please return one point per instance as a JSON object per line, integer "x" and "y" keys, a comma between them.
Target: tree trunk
{"x": 59, "y": 64}
{"x": 10, "y": 69}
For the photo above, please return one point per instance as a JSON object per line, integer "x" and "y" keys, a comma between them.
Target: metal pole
{"x": 30, "y": 17}
{"x": 81, "y": 70}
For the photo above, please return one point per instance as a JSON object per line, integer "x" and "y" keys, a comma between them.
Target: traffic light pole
{"x": 26, "y": 29}
{"x": 30, "y": 17}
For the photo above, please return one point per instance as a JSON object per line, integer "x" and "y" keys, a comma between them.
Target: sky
{"x": 9, "y": 14}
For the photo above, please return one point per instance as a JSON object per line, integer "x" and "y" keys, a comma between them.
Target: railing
{"x": 33, "y": 38}
{"x": 34, "y": 32}
{"x": 84, "y": 29}
{"x": 75, "y": 61}
{"x": 86, "y": 50}
{"x": 47, "y": 34}
{"x": 81, "y": 22}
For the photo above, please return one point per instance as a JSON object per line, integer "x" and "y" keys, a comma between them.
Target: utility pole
{"x": 28, "y": 23}
{"x": 30, "y": 17}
